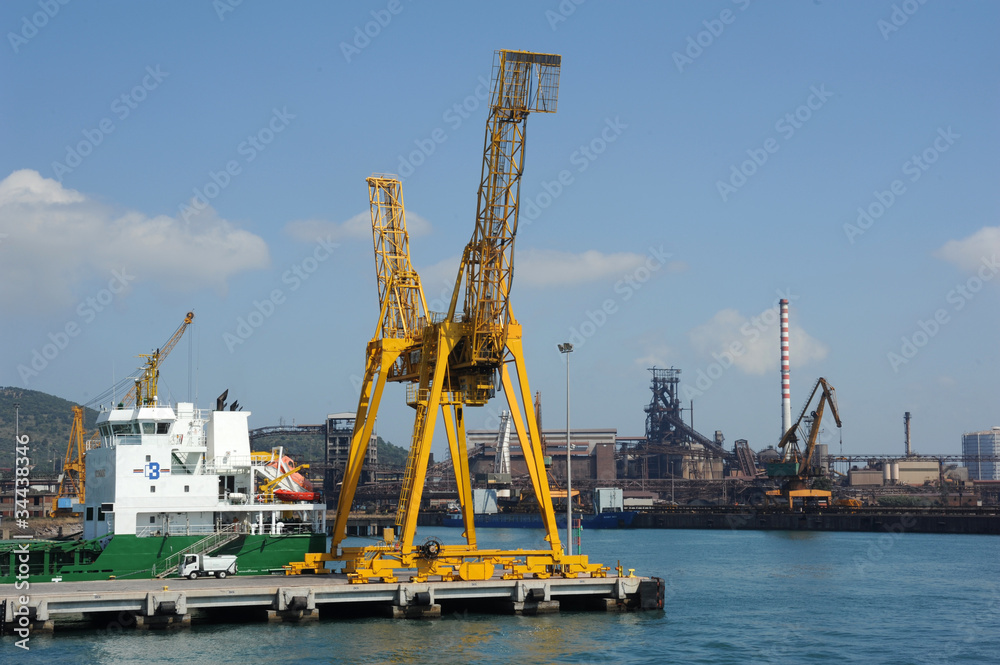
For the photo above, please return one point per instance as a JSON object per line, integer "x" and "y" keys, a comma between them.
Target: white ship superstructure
{"x": 159, "y": 472}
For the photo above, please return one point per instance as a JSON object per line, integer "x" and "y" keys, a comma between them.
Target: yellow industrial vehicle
{"x": 141, "y": 392}
{"x": 797, "y": 467}
{"x": 454, "y": 359}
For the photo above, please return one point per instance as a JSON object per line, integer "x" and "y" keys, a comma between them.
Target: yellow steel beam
{"x": 528, "y": 434}
{"x": 442, "y": 338}
{"x": 454, "y": 423}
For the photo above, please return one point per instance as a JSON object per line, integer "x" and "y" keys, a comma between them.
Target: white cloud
{"x": 969, "y": 253}
{"x": 535, "y": 268}
{"x": 56, "y": 239}
{"x": 357, "y": 227}
{"x": 757, "y": 337}
{"x": 657, "y": 355}
{"x": 549, "y": 267}
{"x": 539, "y": 268}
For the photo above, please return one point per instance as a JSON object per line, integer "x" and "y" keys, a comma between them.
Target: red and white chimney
{"x": 786, "y": 395}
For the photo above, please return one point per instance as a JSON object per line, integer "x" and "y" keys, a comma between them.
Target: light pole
{"x": 566, "y": 349}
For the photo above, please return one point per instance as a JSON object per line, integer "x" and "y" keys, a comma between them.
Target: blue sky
{"x": 706, "y": 159}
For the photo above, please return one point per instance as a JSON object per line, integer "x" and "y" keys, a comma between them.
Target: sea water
{"x": 731, "y": 597}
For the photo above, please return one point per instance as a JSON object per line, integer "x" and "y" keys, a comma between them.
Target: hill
{"x": 391, "y": 455}
{"x": 309, "y": 448}
{"x": 45, "y": 419}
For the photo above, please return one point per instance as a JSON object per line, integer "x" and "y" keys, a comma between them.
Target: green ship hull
{"x": 131, "y": 557}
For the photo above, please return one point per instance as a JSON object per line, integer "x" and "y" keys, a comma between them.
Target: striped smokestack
{"x": 786, "y": 395}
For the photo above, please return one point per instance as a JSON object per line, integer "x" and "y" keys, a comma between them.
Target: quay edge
{"x": 170, "y": 603}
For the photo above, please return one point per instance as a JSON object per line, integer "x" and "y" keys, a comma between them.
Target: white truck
{"x": 194, "y": 566}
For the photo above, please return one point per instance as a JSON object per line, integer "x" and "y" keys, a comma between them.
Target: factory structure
{"x": 671, "y": 449}
{"x": 982, "y": 449}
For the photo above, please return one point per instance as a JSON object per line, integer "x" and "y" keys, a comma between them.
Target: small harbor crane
{"x": 141, "y": 392}
{"x": 797, "y": 467}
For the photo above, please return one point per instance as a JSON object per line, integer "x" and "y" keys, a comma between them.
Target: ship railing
{"x": 216, "y": 540}
{"x": 175, "y": 530}
{"x": 232, "y": 462}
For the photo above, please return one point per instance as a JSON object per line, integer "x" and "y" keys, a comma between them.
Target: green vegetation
{"x": 822, "y": 484}
{"x": 46, "y": 420}
{"x": 308, "y": 448}
{"x": 903, "y": 501}
{"x": 391, "y": 455}
{"x": 303, "y": 448}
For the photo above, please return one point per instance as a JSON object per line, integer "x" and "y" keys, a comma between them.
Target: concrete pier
{"x": 153, "y": 604}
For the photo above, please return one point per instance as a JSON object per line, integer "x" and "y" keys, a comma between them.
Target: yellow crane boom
{"x": 144, "y": 390}
{"x": 789, "y": 442}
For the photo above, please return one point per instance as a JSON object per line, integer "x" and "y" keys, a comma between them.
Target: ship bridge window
{"x": 148, "y": 428}
{"x": 105, "y": 430}
{"x": 125, "y": 428}
{"x": 162, "y": 428}
{"x": 90, "y": 513}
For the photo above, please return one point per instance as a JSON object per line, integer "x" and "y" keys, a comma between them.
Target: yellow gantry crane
{"x": 456, "y": 359}
{"x": 142, "y": 392}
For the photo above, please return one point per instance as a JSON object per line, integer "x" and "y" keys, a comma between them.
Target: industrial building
{"x": 913, "y": 472}
{"x": 592, "y": 451}
{"x": 339, "y": 428}
{"x": 979, "y": 445}
{"x": 672, "y": 448}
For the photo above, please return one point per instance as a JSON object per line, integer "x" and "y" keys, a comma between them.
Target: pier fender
{"x": 532, "y": 593}
{"x": 11, "y": 612}
{"x": 293, "y": 599}
{"x": 41, "y": 611}
{"x": 651, "y": 594}
{"x": 625, "y": 587}
{"x": 414, "y": 595}
{"x": 164, "y": 604}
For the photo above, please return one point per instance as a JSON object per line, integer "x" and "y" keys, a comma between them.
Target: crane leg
{"x": 379, "y": 360}
{"x": 527, "y": 433}
{"x": 454, "y": 423}
{"x": 428, "y": 401}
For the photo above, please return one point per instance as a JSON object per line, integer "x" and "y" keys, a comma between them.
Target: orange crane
{"x": 797, "y": 467}
{"x": 142, "y": 392}
{"x": 454, "y": 359}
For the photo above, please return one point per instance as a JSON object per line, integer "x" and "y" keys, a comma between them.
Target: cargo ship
{"x": 610, "y": 520}
{"x": 165, "y": 481}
